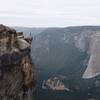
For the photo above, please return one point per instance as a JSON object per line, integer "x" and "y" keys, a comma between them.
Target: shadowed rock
{"x": 17, "y": 73}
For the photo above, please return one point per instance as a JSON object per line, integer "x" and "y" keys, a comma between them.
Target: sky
{"x": 49, "y": 13}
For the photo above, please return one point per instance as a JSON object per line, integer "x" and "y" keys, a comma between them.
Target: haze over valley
{"x": 66, "y": 53}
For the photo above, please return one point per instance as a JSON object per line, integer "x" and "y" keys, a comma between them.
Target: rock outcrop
{"x": 54, "y": 84}
{"x": 17, "y": 73}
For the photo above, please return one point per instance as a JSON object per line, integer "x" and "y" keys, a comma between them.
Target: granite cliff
{"x": 17, "y": 73}
{"x": 93, "y": 66}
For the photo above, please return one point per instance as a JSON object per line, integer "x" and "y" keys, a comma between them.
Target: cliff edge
{"x": 17, "y": 73}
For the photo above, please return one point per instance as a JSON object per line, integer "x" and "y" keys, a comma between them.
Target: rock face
{"x": 93, "y": 68}
{"x": 17, "y": 75}
{"x": 54, "y": 84}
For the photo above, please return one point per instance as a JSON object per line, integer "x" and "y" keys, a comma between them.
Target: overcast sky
{"x": 49, "y": 13}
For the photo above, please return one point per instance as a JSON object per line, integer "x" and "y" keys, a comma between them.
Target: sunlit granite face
{"x": 93, "y": 68}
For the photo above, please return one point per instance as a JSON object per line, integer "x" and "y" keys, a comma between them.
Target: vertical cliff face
{"x": 17, "y": 73}
{"x": 93, "y": 68}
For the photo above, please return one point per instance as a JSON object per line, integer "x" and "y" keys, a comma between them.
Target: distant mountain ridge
{"x": 56, "y": 41}
{"x": 58, "y": 49}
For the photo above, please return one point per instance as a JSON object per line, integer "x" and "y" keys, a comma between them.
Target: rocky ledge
{"x": 17, "y": 73}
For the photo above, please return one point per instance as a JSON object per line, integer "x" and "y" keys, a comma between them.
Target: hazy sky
{"x": 49, "y": 13}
